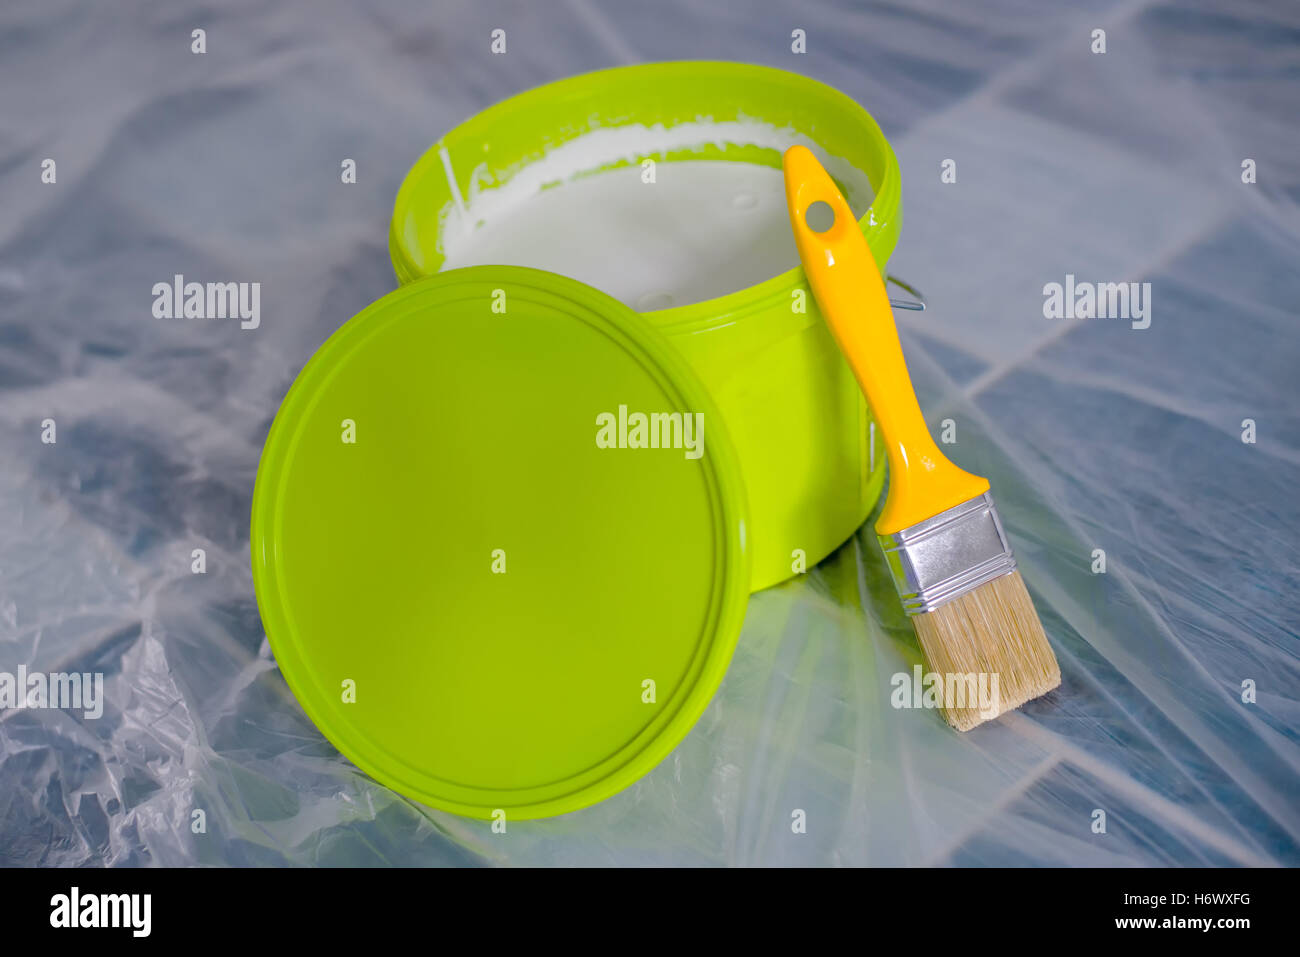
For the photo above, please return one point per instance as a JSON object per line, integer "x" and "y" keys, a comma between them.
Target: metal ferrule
{"x": 948, "y": 555}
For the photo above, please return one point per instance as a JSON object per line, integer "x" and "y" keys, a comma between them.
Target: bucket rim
{"x": 880, "y": 223}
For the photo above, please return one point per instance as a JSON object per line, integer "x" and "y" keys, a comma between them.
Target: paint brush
{"x": 944, "y": 543}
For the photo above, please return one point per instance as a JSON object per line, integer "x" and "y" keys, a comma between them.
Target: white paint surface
{"x": 701, "y": 229}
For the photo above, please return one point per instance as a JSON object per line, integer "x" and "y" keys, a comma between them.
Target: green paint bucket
{"x": 505, "y": 527}
{"x": 812, "y": 464}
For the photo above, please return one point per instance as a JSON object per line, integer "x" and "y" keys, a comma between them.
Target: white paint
{"x": 703, "y": 229}
{"x": 447, "y": 170}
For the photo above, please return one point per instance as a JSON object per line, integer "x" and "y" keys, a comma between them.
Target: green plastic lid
{"x": 498, "y": 543}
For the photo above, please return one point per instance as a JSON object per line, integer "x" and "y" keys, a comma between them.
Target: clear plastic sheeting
{"x": 1098, "y": 437}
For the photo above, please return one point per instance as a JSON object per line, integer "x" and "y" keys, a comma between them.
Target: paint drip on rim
{"x": 700, "y": 229}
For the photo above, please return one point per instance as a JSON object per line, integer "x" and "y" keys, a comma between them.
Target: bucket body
{"x": 812, "y": 462}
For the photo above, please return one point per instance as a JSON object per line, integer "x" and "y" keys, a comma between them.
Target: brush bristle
{"x": 991, "y": 630}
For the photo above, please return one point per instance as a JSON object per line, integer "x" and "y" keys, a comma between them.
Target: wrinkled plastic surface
{"x": 1111, "y": 167}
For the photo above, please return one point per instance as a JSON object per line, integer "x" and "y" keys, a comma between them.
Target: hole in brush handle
{"x": 820, "y": 216}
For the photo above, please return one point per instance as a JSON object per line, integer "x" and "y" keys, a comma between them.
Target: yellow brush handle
{"x": 846, "y": 281}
